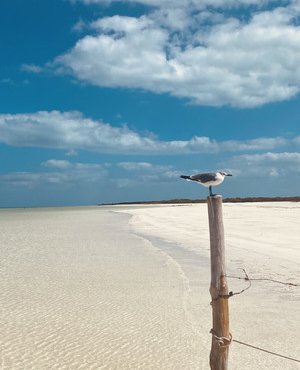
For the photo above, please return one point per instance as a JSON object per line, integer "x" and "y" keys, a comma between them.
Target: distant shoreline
{"x": 191, "y": 201}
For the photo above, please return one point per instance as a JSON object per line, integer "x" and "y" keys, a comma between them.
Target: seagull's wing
{"x": 204, "y": 177}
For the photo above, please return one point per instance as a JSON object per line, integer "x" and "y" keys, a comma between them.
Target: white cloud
{"x": 133, "y": 166}
{"x": 254, "y": 144}
{"x": 274, "y": 172}
{"x": 20, "y": 178}
{"x": 29, "y": 179}
{"x": 67, "y": 131}
{"x": 270, "y": 163}
{"x": 149, "y": 169}
{"x": 284, "y": 157}
{"x": 71, "y": 153}
{"x": 79, "y": 26}
{"x": 145, "y": 172}
{"x": 58, "y": 172}
{"x": 63, "y": 164}
{"x": 297, "y": 140}
{"x": 32, "y": 68}
{"x": 124, "y": 182}
{"x": 70, "y": 131}
{"x": 73, "y": 174}
{"x": 56, "y": 163}
{"x": 174, "y": 3}
{"x": 188, "y": 50}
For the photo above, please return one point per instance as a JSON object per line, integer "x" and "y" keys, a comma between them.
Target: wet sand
{"x": 88, "y": 288}
{"x": 79, "y": 291}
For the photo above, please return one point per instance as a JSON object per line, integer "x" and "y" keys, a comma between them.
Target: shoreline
{"x": 200, "y": 201}
{"x": 87, "y": 293}
{"x": 128, "y": 287}
{"x": 271, "y": 251}
{"x": 294, "y": 199}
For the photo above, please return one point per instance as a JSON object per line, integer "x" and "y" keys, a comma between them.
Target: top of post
{"x": 216, "y": 196}
{"x": 215, "y": 201}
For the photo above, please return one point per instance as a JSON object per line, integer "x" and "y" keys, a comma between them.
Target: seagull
{"x": 208, "y": 179}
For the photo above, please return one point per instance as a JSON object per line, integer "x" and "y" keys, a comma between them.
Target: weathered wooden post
{"x": 218, "y": 287}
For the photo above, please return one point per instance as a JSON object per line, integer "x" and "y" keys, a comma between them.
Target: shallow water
{"x": 80, "y": 291}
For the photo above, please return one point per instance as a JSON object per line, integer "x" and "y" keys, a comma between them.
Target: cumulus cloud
{"x": 72, "y": 131}
{"x": 20, "y": 178}
{"x": 284, "y": 157}
{"x": 65, "y": 173}
{"x": 145, "y": 172}
{"x": 29, "y": 179}
{"x": 270, "y": 163}
{"x": 146, "y": 168}
{"x": 174, "y": 3}
{"x": 192, "y": 50}
{"x": 63, "y": 164}
{"x": 67, "y": 131}
{"x": 58, "y": 172}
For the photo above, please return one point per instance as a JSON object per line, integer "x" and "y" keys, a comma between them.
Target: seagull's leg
{"x": 210, "y": 192}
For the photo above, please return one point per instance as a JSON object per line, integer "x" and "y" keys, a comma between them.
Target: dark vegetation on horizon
{"x": 225, "y": 200}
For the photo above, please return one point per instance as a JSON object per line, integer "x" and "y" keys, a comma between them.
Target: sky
{"x": 111, "y": 101}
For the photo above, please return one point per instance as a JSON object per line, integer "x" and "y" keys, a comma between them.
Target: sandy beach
{"x": 127, "y": 287}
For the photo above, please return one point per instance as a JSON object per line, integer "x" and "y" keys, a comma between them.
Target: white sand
{"x": 81, "y": 290}
{"x": 263, "y": 238}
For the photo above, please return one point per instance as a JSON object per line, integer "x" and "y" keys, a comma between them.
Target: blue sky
{"x": 108, "y": 101}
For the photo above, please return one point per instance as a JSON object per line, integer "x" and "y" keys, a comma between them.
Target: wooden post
{"x": 218, "y": 286}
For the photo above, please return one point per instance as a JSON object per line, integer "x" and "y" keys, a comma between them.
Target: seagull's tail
{"x": 185, "y": 177}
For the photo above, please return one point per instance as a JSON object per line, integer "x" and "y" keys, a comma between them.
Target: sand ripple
{"x": 80, "y": 292}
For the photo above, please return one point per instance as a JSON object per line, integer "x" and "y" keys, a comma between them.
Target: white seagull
{"x": 208, "y": 179}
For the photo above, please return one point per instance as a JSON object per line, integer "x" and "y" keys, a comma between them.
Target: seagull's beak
{"x": 228, "y": 174}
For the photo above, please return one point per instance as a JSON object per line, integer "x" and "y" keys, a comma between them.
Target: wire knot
{"x": 223, "y": 342}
